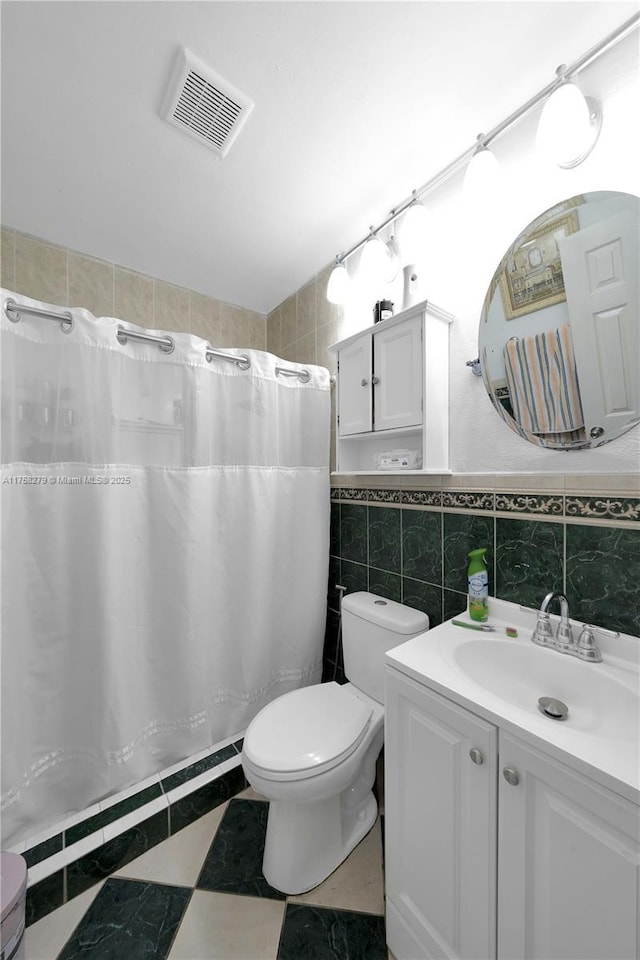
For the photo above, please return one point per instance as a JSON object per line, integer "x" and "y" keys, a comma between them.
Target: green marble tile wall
{"x": 412, "y": 546}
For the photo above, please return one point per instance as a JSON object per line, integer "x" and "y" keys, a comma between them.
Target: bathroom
{"x": 81, "y": 232}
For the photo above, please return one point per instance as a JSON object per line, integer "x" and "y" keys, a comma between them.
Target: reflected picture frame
{"x": 532, "y": 277}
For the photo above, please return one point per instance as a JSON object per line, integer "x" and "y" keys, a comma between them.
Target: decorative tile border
{"x": 383, "y": 496}
{"x": 530, "y": 503}
{"x": 66, "y": 864}
{"x": 426, "y": 498}
{"x": 363, "y": 494}
{"x": 552, "y": 505}
{"x": 200, "y": 766}
{"x": 468, "y": 501}
{"x": 603, "y": 508}
{"x": 42, "y": 851}
{"x": 120, "y": 809}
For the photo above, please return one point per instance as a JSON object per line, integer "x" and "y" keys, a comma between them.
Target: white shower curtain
{"x": 165, "y": 525}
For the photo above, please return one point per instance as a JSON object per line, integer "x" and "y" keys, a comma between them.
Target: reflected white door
{"x": 600, "y": 266}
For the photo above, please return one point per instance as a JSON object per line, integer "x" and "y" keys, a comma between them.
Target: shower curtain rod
{"x": 15, "y": 310}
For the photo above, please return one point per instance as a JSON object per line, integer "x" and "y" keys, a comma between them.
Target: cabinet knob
{"x": 476, "y": 755}
{"x": 375, "y": 380}
{"x": 363, "y": 382}
{"x": 511, "y": 776}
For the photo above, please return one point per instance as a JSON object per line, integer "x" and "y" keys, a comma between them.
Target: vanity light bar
{"x": 484, "y": 140}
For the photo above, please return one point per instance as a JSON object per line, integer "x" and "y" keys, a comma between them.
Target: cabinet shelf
{"x": 391, "y": 473}
{"x": 373, "y": 434}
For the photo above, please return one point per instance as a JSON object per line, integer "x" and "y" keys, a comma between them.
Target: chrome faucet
{"x": 543, "y": 634}
{"x": 563, "y": 641}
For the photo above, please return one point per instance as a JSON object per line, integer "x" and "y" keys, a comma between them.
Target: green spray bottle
{"x": 478, "y": 581}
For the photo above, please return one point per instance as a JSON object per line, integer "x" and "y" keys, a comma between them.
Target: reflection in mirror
{"x": 559, "y": 332}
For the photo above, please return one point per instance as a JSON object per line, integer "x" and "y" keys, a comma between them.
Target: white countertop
{"x": 601, "y": 736}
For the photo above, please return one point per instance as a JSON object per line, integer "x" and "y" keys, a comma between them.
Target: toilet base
{"x": 319, "y": 836}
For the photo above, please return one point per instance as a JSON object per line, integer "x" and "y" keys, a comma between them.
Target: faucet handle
{"x": 587, "y": 648}
{"x": 564, "y": 637}
{"x": 543, "y": 634}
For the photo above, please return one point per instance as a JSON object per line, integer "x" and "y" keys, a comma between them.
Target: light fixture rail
{"x": 562, "y": 75}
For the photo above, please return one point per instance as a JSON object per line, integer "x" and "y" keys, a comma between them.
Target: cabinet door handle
{"x": 375, "y": 380}
{"x": 476, "y": 755}
{"x": 363, "y": 382}
{"x": 511, "y": 776}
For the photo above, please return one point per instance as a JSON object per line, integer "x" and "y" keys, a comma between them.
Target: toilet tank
{"x": 371, "y": 625}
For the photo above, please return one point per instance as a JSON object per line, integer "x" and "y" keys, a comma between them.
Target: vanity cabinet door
{"x": 440, "y": 825}
{"x": 355, "y": 396}
{"x": 568, "y": 862}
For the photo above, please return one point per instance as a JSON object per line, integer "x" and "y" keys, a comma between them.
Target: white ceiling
{"x": 356, "y": 104}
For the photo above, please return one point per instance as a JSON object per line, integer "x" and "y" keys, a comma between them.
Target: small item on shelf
{"x": 478, "y": 580}
{"x": 398, "y": 460}
{"x": 382, "y": 310}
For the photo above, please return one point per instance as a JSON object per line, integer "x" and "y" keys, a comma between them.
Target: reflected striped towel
{"x": 543, "y": 382}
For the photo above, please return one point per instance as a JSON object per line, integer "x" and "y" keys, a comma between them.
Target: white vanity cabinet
{"x": 440, "y": 825}
{"x": 568, "y": 862}
{"x": 393, "y": 391}
{"x": 496, "y": 850}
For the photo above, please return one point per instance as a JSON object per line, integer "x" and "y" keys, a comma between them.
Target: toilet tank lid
{"x": 13, "y": 881}
{"x": 386, "y": 613}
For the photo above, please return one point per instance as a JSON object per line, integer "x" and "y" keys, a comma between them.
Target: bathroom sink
{"x": 599, "y": 701}
{"x": 501, "y": 678}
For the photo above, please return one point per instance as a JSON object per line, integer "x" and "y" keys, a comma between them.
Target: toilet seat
{"x": 307, "y": 731}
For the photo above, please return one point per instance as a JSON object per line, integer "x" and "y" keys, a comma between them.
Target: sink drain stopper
{"x": 555, "y": 709}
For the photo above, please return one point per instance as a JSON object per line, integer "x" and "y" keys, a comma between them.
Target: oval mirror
{"x": 559, "y": 333}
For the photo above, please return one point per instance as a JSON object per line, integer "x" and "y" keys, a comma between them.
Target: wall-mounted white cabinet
{"x": 495, "y": 849}
{"x": 393, "y": 393}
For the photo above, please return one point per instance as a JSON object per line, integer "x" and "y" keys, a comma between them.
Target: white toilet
{"x": 313, "y": 752}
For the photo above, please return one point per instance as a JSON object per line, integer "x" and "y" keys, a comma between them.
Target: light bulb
{"x": 481, "y": 176}
{"x": 414, "y": 233}
{"x": 338, "y": 285}
{"x": 567, "y": 131}
{"x": 394, "y": 260}
{"x": 375, "y": 260}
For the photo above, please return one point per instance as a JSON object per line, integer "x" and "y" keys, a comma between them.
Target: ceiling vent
{"x": 204, "y": 105}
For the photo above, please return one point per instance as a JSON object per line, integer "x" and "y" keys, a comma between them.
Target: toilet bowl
{"x": 312, "y": 752}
